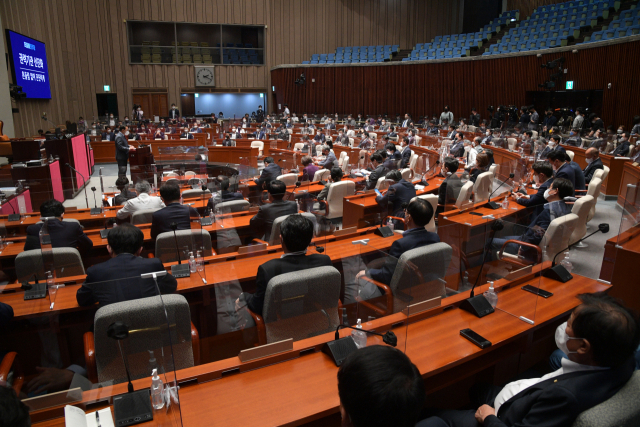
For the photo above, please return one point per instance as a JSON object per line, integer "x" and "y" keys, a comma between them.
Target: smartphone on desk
{"x": 537, "y": 291}
{"x": 475, "y": 213}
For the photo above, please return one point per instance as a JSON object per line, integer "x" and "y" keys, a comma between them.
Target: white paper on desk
{"x": 76, "y": 417}
{"x": 419, "y": 187}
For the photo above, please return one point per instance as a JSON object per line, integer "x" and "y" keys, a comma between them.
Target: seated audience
{"x": 405, "y": 153}
{"x": 577, "y": 172}
{"x": 542, "y": 178}
{"x": 457, "y": 145}
{"x": 482, "y": 165}
{"x": 449, "y": 188}
{"x": 622, "y": 150}
{"x": 561, "y": 168}
{"x": 600, "y": 339}
{"x": 309, "y": 170}
{"x": 470, "y": 154}
{"x": 296, "y": 233}
{"x": 270, "y": 172}
{"x": 393, "y": 156}
{"x": 174, "y": 211}
{"x": 118, "y": 279}
{"x": 122, "y": 184}
{"x": 224, "y": 195}
{"x": 63, "y": 234}
{"x": 329, "y": 158}
{"x": 262, "y": 221}
{"x": 378, "y": 171}
{"x": 143, "y": 201}
{"x": 594, "y": 162}
{"x": 336, "y": 176}
{"x": 380, "y": 387}
{"x": 399, "y": 194}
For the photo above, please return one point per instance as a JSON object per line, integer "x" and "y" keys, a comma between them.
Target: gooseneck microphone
{"x": 388, "y": 337}
{"x": 341, "y": 348}
{"x": 84, "y": 181}
{"x": 494, "y": 205}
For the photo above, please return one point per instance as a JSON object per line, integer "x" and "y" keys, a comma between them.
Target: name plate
{"x": 266, "y": 350}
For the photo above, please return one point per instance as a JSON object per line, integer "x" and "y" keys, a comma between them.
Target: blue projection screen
{"x": 30, "y": 70}
{"x": 229, "y": 103}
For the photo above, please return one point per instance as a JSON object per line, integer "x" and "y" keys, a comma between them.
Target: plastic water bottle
{"x": 390, "y": 225}
{"x": 359, "y": 336}
{"x": 491, "y": 295}
{"x": 192, "y": 263}
{"x": 505, "y": 203}
{"x": 566, "y": 262}
{"x": 199, "y": 261}
{"x": 157, "y": 391}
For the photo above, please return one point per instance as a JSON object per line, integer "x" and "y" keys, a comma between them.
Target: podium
{"x": 140, "y": 161}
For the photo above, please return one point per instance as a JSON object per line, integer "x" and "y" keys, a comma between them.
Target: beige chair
{"x": 143, "y": 216}
{"x": 207, "y": 59}
{"x": 345, "y": 164}
{"x": 382, "y": 184}
{"x": 413, "y": 161}
{"x": 582, "y": 207}
{"x": 337, "y": 192}
{"x": 571, "y": 154}
{"x": 186, "y": 59}
{"x": 259, "y": 145}
{"x": 298, "y": 146}
{"x": 407, "y": 174}
{"x": 351, "y": 133}
{"x": 274, "y": 236}
{"x": 512, "y": 142}
{"x": 321, "y": 175}
{"x": 593, "y": 190}
{"x": 433, "y": 200}
{"x": 288, "y": 178}
{"x": 352, "y": 142}
{"x": 232, "y": 206}
{"x": 341, "y": 158}
{"x": 557, "y": 236}
{"x": 605, "y": 173}
{"x": 482, "y": 187}
{"x": 494, "y": 169}
{"x": 192, "y": 239}
{"x": 534, "y": 134}
{"x": 196, "y": 193}
{"x": 189, "y": 173}
{"x": 464, "y": 197}
{"x": 197, "y": 59}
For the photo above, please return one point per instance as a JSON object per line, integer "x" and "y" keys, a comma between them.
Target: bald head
{"x": 592, "y": 153}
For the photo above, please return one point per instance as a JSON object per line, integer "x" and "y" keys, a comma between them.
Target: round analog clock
{"x": 204, "y": 76}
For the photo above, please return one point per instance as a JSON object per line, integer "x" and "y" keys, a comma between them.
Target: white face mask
{"x": 488, "y": 133}
{"x": 552, "y": 144}
{"x": 467, "y": 148}
{"x": 562, "y": 338}
{"x": 588, "y": 160}
{"x": 536, "y": 179}
{"x": 127, "y": 133}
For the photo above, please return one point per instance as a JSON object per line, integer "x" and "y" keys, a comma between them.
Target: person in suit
{"x": 399, "y": 194}
{"x": 159, "y": 133}
{"x": 122, "y": 184}
{"x": 474, "y": 118}
{"x": 270, "y": 172}
{"x": 377, "y": 171}
{"x": 488, "y": 137}
{"x": 393, "y": 156}
{"x": 577, "y": 172}
{"x": 417, "y": 214}
{"x": 452, "y": 132}
{"x": 622, "y": 150}
{"x": 405, "y": 153}
{"x": 63, "y": 234}
{"x": 118, "y": 279}
{"x": 262, "y": 221}
{"x": 600, "y": 338}
{"x": 122, "y": 151}
{"x": 174, "y": 113}
{"x": 174, "y": 211}
{"x": 336, "y": 176}
{"x": 320, "y": 136}
{"x": 296, "y": 233}
{"x": 574, "y": 139}
{"x": 594, "y": 162}
{"x": 185, "y": 134}
{"x": 108, "y": 134}
{"x": 449, "y": 188}
{"x": 457, "y": 146}
{"x": 554, "y": 144}
{"x": 329, "y": 158}
{"x": 406, "y": 121}
{"x": 143, "y": 201}
{"x": 196, "y": 128}
{"x": 224, "y": 195}
{"x": 342, "y": 139}
{"x": 542, "y": 177}
{"x": 309, "y": 170}
{"x": 392, "y": 132}
{"x": 561, "y": 168}
{"x": 366, "y": 142}
{"x": 384, "y": 126}
{"x": 365, "y": 403}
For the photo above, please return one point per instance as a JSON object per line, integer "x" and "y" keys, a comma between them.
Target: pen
{"x": 98, "y": 419}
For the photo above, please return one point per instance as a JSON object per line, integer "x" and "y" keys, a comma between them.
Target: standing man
{"x": 446, "y": 116}
{"x": 286, "y": 110}
{"x": 122, "y": 151}
{"x": 174, "y": 113}
{"x": 474, "y": 119}
{"x": 535, "y": 118}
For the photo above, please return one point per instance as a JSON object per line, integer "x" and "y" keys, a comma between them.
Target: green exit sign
{"x": 569, "y": 84}
{"x": 107, "y": 88}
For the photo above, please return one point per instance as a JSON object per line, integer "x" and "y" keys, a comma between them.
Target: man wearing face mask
{"x": 542, "y": 177}
{"x": 342, "y": 139}
{"x": 174, "y": 113}
{"x": 554, "y": 143}
{"x": 469, "y": 154}
{"x": 393, "y": 156}
{"x": 574, "y": 139}
{"x": 446, "y": 116}
{"x": 592, "y": 157}
{"x": 289, "y": 124}
{"x": 384, "y": 127}
{"x": 599, "y": 339}
{"x": 622, "y": 150}
{"x": 561, "y": 168}
{"x": 457, "y": 146}
{"x": 487, "y": 139}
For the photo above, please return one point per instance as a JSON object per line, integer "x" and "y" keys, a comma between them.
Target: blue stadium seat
{"x": 314, "y": 62}
{"x": 322, "y": 62}
{"x": 315, "y": 57}
{"x": 305, "y": 62}
{"x": 338, "y": 61}
{"x": 331, "y": 57}
{"x": 323, "y": 57}
{"x": 347, "y": 49}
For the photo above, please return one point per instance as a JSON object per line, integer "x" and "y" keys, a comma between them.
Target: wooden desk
{"x": 105, "y": 151}
{"x": 611, "y": 186}
{"x": 233, "y": 155}
{"x": 630, "y": 176}
{"x": 621, "y": 254}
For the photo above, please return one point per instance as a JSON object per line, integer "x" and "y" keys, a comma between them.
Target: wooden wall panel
{"x": 526, "y": 7}
{"x": 423, "y": 89}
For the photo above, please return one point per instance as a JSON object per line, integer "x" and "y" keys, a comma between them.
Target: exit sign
{"x": 106, "y": 88}
{"x": 569, "y": 84}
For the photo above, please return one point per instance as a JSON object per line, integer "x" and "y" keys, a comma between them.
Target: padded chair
{"x": 433, "y": 199}
{"x": 494, "y": 169}
{"x": 581, "y": 208}
{"x": 621, "y": 409}
{"x": 67, "y": 262}
{"x": 420, "y": 271}
{"x": 413, "y": 161}
{"x": 593, "y": 190}
{"x": 299, "y": 305}
{"x": 196, "y": 193}
{"x": 166, "y": 244}
{"x": 274, "y": 238}
{"x": 407, "y": 174}
{"x": 323, "y": 174}
{"x": 288, "y": 178}
{"x": 482, "y": 187}
{"x": 557, "y": 236}
{"x": 464, "y": 196}
{"x": 337, "y": 192}
{"x": 259, "y": 145}
{"x": 147, "y": 319}
{"x": 143, "y": 216}
{"x": 512, "y": 142}
{"x": 233, "y": 206}
{"x": 382, "y": 184}
{"x": 570, "y": 154}
{"x": 345, "y": 164}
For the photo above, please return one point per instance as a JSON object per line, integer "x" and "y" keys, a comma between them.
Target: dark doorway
{"x": 107, "y": 103}
{"x": 572, "y": 99}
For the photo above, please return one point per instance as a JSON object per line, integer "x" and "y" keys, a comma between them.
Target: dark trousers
{"x": 122, "y": 167}
{"x": 480, "y": 394}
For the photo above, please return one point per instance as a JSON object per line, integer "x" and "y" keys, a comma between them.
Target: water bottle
{"x": 359, "y": 336}
{"x": 566, "y": 262}
{"x": 192, "y": 263}
{"x": 505, "y": 203}
{"x": 199, "y": 261}
{"x": 390, "y": 225}
{"x": 157, "y": 391}
{"x": 491, "y": 295}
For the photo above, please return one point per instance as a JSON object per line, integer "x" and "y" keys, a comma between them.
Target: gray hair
{"x": 325, "y": 148}
{"x": 143, "y": 187}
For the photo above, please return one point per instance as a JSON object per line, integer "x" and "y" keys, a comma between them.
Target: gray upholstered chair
{"x": 621, "y": 410}
{"x": 274, "y": 238}
{"x": 300, "y": 305}
{"x": 166, "y": 244}
{"x": 418, "y": 274}
{"x": 196, "y": 193}
{"x": 148, "y": 328}
{"x": 67, "y": 262}
{"x": 233, "y": 206}
{"x": 143, "y": 216}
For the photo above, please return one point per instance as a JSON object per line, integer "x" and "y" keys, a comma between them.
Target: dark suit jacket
{"x": 63, "y": 235}
{"x": 579, "y": 176}
{"x": 262, "y": 221}
{"x": 414, "y": 238}
{"x": 457, "y": 149}
{"x": 269, "y": 173}
{"x": 541, "y": 221}
{"x": 591, "y": 169}
{"x": 174, "y": 212}
{"x": 449, "y": 190}
{"x": 225, "y": 196}
{"x": 118, "y": 279}
{"x": 122, "y": 147}
{"x": 558, "y": 401}
{"x": 405, "y": 157}
{"x": 6, "y": 314}
{"x": 278, "y": 266}
{"x": 174, "y": 114}
{"x": 379, "y": 172}
{"x": 566, "y": 171}
{"x": 343, "y": 141}
{"x": 622, "y": 150}
{"x": 537, "y": 199}
{"x": 397, "y": 194}
{"x": 111, "y": 136}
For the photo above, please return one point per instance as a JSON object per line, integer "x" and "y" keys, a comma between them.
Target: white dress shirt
{"x": 143, "y": 201}
{"x": 516, "y": 387}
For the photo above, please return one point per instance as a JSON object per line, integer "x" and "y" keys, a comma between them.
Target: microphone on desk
{"x": 494, "y": 205}
{"x": 558, "y": 272}
{"x": 26, "y": 286}
{"x": 84, "y": 181}
{"x": 180, "y": 270}
{"x": 298, "y": 183}
{"x": 341, "y": 348}
{"x": 134, "y": 404}
{"x": 424, "y": 181}
{"x": 95, "y": 210}
{"x": 14, "y": 216}
{"x": 478, "y": 304}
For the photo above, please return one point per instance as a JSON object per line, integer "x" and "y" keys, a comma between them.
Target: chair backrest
{"x": 143, "y": 216}
{"x": 193, "y": 240}
{"x": 413, "y": 161}
{"x": 571, "y": 154}
{"x": 482, "y": 187}
{"x": 423, "y": 266}
{"x": 494, "y": 169}
{"x": 433, "y": 200}
{"x": 172, "y": 174}
{"x": 345, "y": 164}
{"x": 465, "y": 195}
{"x": 341, "y": 158}
{"x": 189, "y": 173}
{"x": 512, "y": 142}
{"x": 605, "y": 173}
{"x": 322, "y": 174}
{"x": 557, "y": 236}
{"x": 337, "y": 192}
{"x": 196, "y": 193}
{"x": 621, "y": 409}
{"x": 598, "y": 174}
{"x": 407, "y": 174}
{"x": 259, "y": 145}
{"x": 581, "y": 207}
{"x": 232, "y": 206}
{"x": 288, "y": 178}
{"x": 302, "y": 304}
{"x": 274, "y": 238}
{"x": 147, "y": 323}
{"x": 382, "y": 183}
{"x": 66, "y": 261}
